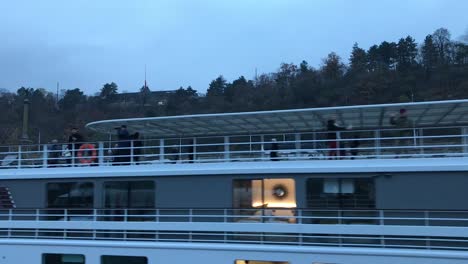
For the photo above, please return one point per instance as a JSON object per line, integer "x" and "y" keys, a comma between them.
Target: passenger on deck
{"x": 190, "y": 151}
{"x": 55, "y": 151}
{"x": 404, "y": 125}
{"x": 274, "y": 150}
{"x": 123, "y": 150}
{"x": 333, "y": 144}
{"x": 74, "y": 140}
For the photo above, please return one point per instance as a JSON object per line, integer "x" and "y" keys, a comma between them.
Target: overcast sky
{"x": 86, "y": 43}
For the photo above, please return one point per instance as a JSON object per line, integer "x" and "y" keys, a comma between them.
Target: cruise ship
{"x": 339, "y": 185}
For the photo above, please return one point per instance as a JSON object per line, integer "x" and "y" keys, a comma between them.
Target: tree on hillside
{"x": 72, "y": 98}
{"x": 357, "y": 60}
{"x": 443, "y": 44}
{"x": 333, "y": 68}
{"x": 108, "y": 90}
{"x": 429, "y": 53}
{"x": 183, "y": 101}
{"x": 407, "y": 51}
{"x": 217, "y": 87}
{"x": 25, "y": 92}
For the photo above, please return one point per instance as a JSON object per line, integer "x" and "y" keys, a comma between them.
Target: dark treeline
{"x": 401, "y": 71}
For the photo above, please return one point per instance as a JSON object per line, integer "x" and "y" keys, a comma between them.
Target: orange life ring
{"x": 87, "y": 159}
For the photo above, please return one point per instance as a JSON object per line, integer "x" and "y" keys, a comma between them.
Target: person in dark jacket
{"x": 404, "y": 126}
{"x": 274, "y": 156}
{"x": 333, "y": 139}
{"x": 55, "y": 151}
{"x": 74, "y": 143}
{"x": 123, "y": 146}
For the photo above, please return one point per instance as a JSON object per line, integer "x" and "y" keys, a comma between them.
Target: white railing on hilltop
{"x": 446, "y": 230}
{"x": 436, "y": 142}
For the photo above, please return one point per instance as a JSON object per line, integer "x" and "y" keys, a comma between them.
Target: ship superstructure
{"x": 255, "y": 187}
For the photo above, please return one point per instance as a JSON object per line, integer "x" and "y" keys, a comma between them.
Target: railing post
{"x": 73, "y": 154}
{"x": 95, "y": 215}
{"x": 190, "y": 215}
{"x": 421, "y": 141}
{"x": 37, "y": 215}
{"x": 65, "y": 214}
{"x": 338, "y": 145}
{"x": 44, "y": 156}
{"x": 464, "y": 131}
{"x": 132, "y": 158}
{"x": 194, "y": 148}
{"x": 381, "y": 217}
{"x": 314, "y": 140}
{"x": 377, "y": 143}
{"x": 20, "y": 154}
{"x": 262, "y": 147}
{"x": 297, "y": 143}
{"x": 125, "y": 215}
{"x": 161, "y": 150}
{"x": 101, "y": 153}
{"x": 226, "y": 149}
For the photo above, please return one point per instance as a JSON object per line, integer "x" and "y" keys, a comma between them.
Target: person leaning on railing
{"x": 404, "y": 125}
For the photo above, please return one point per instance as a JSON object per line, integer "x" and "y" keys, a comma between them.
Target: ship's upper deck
{"x": 435, "y": 130}
{"x": 361, "y": 117}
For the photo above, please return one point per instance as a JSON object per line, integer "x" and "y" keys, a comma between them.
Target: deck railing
{"x": 446, "y": 230}
{"x": 244, "y": 215}
{"x": 350, "y": 144}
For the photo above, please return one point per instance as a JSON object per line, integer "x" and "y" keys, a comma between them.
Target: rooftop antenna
{"x": 145, "y": 78}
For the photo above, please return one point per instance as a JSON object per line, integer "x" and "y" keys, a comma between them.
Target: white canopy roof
{"x": 423, "y": 114}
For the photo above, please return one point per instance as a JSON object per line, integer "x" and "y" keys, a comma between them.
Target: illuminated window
{"x": 265, "y": 200}
{"x": 63, "y": 259}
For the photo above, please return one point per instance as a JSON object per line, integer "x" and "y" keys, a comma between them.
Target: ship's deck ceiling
{"x": 423, "y": 114}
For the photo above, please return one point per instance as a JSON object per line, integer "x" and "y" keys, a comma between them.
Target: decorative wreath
{"x": 280, "y": 191}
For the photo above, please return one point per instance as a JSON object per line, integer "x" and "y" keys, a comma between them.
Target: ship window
{"x": 70, "y": 194}
{"x": 63, "y": 259}
{"x": 259, "y": 262}
{"x": 340, "y": 193}
{"x": 129, "y": 194}
{"x": 123, "y": 260}
{"x": 260, "y": 198}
